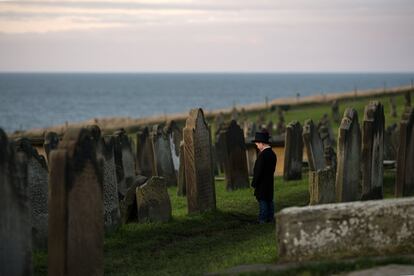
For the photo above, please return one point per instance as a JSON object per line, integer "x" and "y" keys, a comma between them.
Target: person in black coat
{"x": 263, "y": 177}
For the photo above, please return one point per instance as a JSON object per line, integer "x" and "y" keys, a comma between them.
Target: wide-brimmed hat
{"x": 261, "y": 137}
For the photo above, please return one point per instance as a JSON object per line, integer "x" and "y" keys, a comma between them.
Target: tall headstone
{"x": 234, "y": 156}
{"x": 292, "y": 168}
{"x": 51, "y": 142}
{"x": 37, "y": 178}
{"x": 328, "y": 148}
{"x": 181, "y": 186}
{"x": 153, "y": 201}
{"x": 15, "y": 215}
{"x": 145, "y": 154}
{"x": 175, "y": 135}
{"x": 314, "y": 146}
{"x": 124, "y": 161}
{"x": 163, "y": 156}
{"x": 348, "y": 174}
{"x": 404, "y": 182}
{"x": 76, "y": 214}
{"x": 199, "y": 175}
{"x": 112, "y": 214}
{"x": 373, "y": 151}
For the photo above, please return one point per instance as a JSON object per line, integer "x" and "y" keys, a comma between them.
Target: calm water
{"x": 41, "y": 100}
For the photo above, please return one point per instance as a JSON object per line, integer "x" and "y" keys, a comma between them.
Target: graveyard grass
{"x": 229, "y": 236}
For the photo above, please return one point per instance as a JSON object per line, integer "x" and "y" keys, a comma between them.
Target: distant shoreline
{"x": 113, "y": 123}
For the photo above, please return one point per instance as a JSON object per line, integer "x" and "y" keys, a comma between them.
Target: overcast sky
{"x": 207, "y": 36}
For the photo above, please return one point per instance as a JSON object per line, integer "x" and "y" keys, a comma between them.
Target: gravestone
{"x": 281, "y": 126}
{"x": 175, "y": 135}
{"x": 153, "y": 201}
{"x": 162, "y": 155}
{"x": 128, "y": 204}
{"x": 404, "y": 182}
{"x": 322, "y": 186}
{"x": 336, "y": 116}
{"x": 37, "y": 178}
{"x": 328, "y": 148}
{"x": 348, "y": 174}
{"x": 314, "y": 146}
{"x": 15, "y": 215}
{"x": 181, "y": 186}
{"x": 292, "y": 168}
{"x": 199, "y": 174}
{"x": 76, "y": 214}
{"x": 112, "y": 215}
{"x": 233, "y": 149}
{"x": 393, "y": 107}
{"x": 51, "y": 142}
{"x": 391, "y": 141}
{"x": 373, "y": 151}
{"x": 124, "y": 161}
{"x": 145, "y": 154}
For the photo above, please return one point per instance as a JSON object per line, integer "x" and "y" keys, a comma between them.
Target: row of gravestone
{"x": 358, "y": 172}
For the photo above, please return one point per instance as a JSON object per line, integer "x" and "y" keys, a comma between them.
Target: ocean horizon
{"x": 40, "y": 99}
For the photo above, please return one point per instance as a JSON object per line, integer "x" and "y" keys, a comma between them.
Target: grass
{"x": 229, "y": 236}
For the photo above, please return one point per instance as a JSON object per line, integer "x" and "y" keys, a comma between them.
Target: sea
{"x": 37, "y": 100}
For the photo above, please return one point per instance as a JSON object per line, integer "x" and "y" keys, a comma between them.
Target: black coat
{"x": 264, "y": 169}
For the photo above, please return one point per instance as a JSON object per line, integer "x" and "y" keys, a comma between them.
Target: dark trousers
{"x": 266, "y": 211}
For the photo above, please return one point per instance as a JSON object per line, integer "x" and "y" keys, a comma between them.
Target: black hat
{"x": 261, "y": 137}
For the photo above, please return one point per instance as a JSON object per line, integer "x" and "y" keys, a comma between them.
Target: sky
{"x": 207, "y": 36}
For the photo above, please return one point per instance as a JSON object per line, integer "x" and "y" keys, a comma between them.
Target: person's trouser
{"x": 266, "y": 211}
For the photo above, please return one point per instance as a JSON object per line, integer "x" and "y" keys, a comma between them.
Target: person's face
{"x": 259, "y": 146}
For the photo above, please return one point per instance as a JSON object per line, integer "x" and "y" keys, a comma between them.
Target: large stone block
{"x": 354, "y": 229}
{"x": 322, "y": 186}
{"x": 76, "y": 209}
{"x": 292, "y": 168}
{"x": 15, "y": 214}
{"x": 348, "y": 185}
{"x": 201, "y": 195}
{"x": 153, "y": 201}
{"x": 404, "y": 182}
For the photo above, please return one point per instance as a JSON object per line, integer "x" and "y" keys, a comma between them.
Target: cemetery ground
{"x": 229, "y": 236}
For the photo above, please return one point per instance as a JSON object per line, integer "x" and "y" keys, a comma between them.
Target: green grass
{"x": 229, "y": 236}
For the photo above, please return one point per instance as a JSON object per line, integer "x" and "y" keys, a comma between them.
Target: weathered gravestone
{"x": 145, "y": 154}
{"x": 181, "y": 186}
{"x": 51, "y": 142}
{"x": 233, "y": 149}
{"x": 199, "y": 175}
{"x": 175, "y": 135}
{"x": 153, "y": 201}
{"x": 15, "y": 215}
{"x": 128, "y": 204}
{"x": 404, "y": 182}
{"x": 124, "y": 161}
{"x": 321, "y": 176}
{"x": 112, "y": 215}
{"x": 162, "y": 155}
{"x": 373, "y": 151}
{"x": 76, "y": 214}
{"x": 328, "y": 147}
{"x": 345, "y": 230}
{"x": 348, "y": 174}
{"x": 37, "y": 178}
{"x": 391, "y": 141}
{"x": 292, "y": 168}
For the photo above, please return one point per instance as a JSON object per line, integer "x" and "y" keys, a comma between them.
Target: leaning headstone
{"x": 112, "y": 216}
{"x": 181, "y": 189}
{"x": 404, "y": 182}
{"x": 128, "y": 204}
{"x": 322, "y": 186}
{"x": 153, "y": 201}
{"x": 124, "y": 161}
{"x": 373, "y": 151}
{"x": 314, "y": 146}
{"x": 348, "y": 174}
{"x": 345, "y": 230}
{"x": 199, "y": 174}
{"x": 234, "y": 156}
{"x": 162, "y": 155}
{"x": 37, "y": 178}
{"x": 145, "y": 154}
{"x": 15, "y": 215}
{"x": 51, "y": 142}
{"x": 175, "y": 135}
{"x": 292, "y": 168}
{"x": 76, "y": 224}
